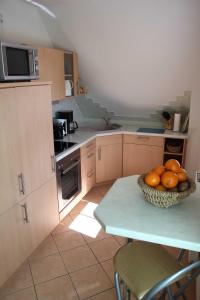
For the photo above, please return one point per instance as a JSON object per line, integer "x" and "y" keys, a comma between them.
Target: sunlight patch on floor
{"x": 89, "y": 209}
{"x": 86, "y": 225}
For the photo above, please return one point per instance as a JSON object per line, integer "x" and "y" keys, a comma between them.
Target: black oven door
{"x": 69, "y": 182}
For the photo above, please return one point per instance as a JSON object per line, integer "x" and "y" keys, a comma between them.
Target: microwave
{"x": 18, "y": 62}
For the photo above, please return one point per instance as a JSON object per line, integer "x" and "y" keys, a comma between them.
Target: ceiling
{"x": 134, "y": 56}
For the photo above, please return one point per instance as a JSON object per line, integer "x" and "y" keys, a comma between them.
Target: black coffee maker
{"x": 70, "y": 124}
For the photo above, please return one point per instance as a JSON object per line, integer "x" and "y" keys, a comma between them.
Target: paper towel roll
{"x": 177, "y": 122}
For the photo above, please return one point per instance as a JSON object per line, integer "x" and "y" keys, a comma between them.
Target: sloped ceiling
{"x": 134, "y": 55}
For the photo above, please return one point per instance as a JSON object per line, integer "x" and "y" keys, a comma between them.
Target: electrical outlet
{"x": 197, "y": 176}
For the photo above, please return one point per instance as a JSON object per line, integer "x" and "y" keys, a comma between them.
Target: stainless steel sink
{"x": 109, "y": 127}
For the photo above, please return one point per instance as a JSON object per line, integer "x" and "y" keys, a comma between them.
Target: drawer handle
{"x": 21, "y": 184}
{"x": 145, "y": 138}
{"x": 89, "y": 145}
{"x": 90, "y": 155}
{"x": 99, "y": 153}
{"x": 53, "y": 163}
{"x": 90, "y": 173}
{"x": 25, "y": 218}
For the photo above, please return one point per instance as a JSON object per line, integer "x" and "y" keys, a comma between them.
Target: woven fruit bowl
{"x": 164, "y": 199}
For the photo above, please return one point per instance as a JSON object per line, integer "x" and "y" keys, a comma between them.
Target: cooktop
{"x": 151, "y": 130}
{"x": 60, "y": 146}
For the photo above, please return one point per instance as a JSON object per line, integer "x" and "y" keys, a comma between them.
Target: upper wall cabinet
{"x": 51, "y": 68}
{"x": 72, "y": 84}
{"x": 60, "y": 67}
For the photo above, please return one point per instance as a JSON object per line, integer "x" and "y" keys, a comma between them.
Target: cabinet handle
{"x": 90, "y": 155}
{"x": 25, "y": 218}
{"x": 99, "y": 153}
{"x": 90, "y": 173}
{"x": 140, "y": 137}
{"x": 89, "y": 145}
{"x": 53, "y": 163}
{"x": 21, "y": 184}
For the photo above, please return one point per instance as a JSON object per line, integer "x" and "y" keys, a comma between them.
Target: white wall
{"x": 22, "y": 23}
{"x": 134, "y": 55}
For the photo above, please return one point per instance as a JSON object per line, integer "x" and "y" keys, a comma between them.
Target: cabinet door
{"x": 51, "y": 68}
{"x": 33, "y": 107}
{"x": 139, "y": 159}
{"x": 75, "y": 74}
{"x": 15, "y": 241}
{"x": 10, "y": 159}
{"x": 88, "y": 169}
{"x": 108, "y": 162}
{"x": 42, "y": 210}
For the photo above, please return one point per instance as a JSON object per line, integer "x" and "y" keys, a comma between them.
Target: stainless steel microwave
{"x": 18, "y": 62}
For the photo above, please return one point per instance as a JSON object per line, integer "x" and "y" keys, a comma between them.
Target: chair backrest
{"x": 165, "y": 283}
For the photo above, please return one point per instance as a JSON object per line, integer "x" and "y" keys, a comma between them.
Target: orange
{"x": 152, "y": 179}
{"x": 182, "y": 175}
{"x": 172, "y": 165}
{"x": 169, "y": 179}
{"x": 159, "y": 169}
{"x": 160, "y": 187}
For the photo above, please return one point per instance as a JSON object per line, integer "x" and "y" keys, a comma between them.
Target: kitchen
{"x": 90, "y": 136}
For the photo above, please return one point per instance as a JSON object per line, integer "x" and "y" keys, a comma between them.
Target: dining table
{"x": 125, "y": 212}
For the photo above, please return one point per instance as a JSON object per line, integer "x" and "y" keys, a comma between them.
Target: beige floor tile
{"x": 107, "y": 295}
{"x": 78, "y": 208}
{"x": 47, "y": 268}
{"x": 93, "y": 196}
{"x": 21, "y": 279}
{"x": 109, "y": 269}
{"x": 69, "y": 240}
{"x": 121, "y": 240}
{"x": 47, "y": 247}
{"x": 89, "y": 209}
{"x": 27, "y": 294}
{"x": 78, "y": 258}
{"x": 90, "y": 281}
{"x": 63, "y": 226}
{"x": 103, "y": 189}
{"x": 104, "y": 249}
{"x": 86, "y": 225}
{"x": 58, "y": 289}
{"x": 100, "y": 236}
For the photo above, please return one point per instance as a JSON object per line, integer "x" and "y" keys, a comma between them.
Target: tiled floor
{"x": 73, "y": 263}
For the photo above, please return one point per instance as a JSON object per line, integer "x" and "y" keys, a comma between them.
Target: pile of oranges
{"x": 167, "y": 177}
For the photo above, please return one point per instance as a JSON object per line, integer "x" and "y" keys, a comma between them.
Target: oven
{"x": 68, "y": 172}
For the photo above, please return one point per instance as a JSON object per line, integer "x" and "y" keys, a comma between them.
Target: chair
{"x": 147, "y": 270}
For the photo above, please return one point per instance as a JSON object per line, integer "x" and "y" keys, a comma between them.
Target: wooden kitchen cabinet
{"x": 88, "y": 166}
{"x": 28, "y": 205}
{"x": 51, "y": 68}
{"x": 19, "y": 237}
{"x": 141, "y": 153}
{"x": 26, "y": 147}
{"x": 108, "y": 158}
{"x": 42, "y": 211}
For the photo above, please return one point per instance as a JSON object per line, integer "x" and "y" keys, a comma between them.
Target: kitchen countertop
{"x": 83, "y": 135}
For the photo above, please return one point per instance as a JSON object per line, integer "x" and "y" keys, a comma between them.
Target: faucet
{"x": 107, "y": 121}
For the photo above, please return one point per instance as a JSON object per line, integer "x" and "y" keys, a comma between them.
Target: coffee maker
{"x": 70, "y": 124}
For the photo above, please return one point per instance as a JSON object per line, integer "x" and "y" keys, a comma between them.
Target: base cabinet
{"x": 141, "y": 154}
{"x": 25, "y": 225}
{"x": 108, "y": 158}
{"x": 88, "y": 167}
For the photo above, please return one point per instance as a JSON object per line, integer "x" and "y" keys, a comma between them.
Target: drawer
{"x": 109, "y": 140}
{"x": 143, "y": 140}
{"x": 88, "y": 147}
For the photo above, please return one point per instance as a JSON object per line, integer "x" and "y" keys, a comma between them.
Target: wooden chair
{"x": 147, "y": 271}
